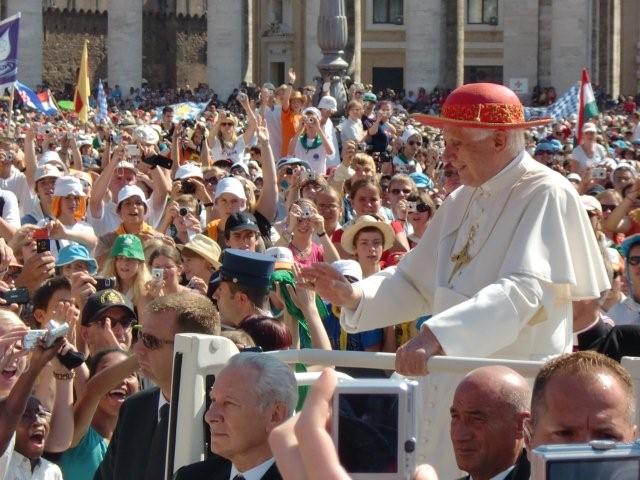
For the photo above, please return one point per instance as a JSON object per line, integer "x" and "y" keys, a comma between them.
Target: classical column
{"x": 312, "y": 53}
{"x": 615, "y": 34}
{"x": 124, "y": 43}
{"x": 520, "y": 52}
{"x": 453, "y": 43}
{"x": 423, "y": 21}
{"x": 30, "y": 40}
{"x": 357, "y": 41}
{"x": 224, "y": 46}
{"x": 571, "y": 40}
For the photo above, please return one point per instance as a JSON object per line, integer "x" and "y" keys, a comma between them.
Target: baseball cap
{"x": 47, "y": 171}
{"x": 126, "y": 165}
{"x": 369, "y": 97}
{"x": 348, "y": 268}
{"x": 288, "y": 161}
{"x": 590, "y": 203}
{"x": 230, "y": 185}
{"x": 101, "y": 301}
{"x": 283, "y": 256}
{"x": 146, "y": 134}
{"x": 312, "y": 111}
{"x": 240, "y": 221}
{"x": 189, "y": 170}
{"x": 589, "y": 127}
{"x": 129, "y": 191}
{"x": 128, "y": 246}
{"x": 328, "y": 102}
{"x": 574, "y": 177}
{"x": 68, "y": 185}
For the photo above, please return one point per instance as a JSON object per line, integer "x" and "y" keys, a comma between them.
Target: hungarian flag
{"x": 81, "y": 96}
{"x": 588, "y": 107}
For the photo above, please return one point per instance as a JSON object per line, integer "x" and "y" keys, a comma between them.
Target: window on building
{"x": 387, "y": 77}
{"x": 483, "y": 73}
{"x": 482, "y": 12}
{"x": 388, "y": 11}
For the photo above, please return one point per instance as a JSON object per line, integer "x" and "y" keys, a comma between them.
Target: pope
{"x": 499, "y": 265}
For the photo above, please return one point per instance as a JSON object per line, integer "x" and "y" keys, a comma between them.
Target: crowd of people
{"x": 267, "y": 221}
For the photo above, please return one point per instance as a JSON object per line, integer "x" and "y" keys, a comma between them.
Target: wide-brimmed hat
{"x": 365, "y": 221}
{"x": 204, "y": 246}
{"x": 74, "y": 252}
{"x": 128, "y": 246}
{"x": 481, "y": 105}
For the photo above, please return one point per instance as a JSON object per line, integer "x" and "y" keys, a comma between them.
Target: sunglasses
{"x": 227, "y": 124}
{"x": 398, "y": 191}
{"x": 634, "y": 261}
{"x": 608, "y": 208}
{"x": 152, "y": 342}
{"x": 124, "y": 322}
{"x": 422, "y": 207}
{"x": 412, "y": 143}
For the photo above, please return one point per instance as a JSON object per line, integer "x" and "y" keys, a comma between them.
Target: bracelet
{"x": 64, "y": 376}
{"x": 207, "y": 205}
{"x": 321, "y": 234}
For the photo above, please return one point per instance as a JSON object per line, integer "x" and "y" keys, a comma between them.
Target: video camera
{"x": 597, "y": 460}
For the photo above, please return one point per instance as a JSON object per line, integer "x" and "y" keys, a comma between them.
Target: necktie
{"x": 238, "y": 477}
{"x": 158, "y": 449}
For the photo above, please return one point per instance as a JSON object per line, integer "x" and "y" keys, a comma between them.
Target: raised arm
{"x": 267, "y": 203}
{"x": 288, "y": 90}
{"x": 101, "y": 185}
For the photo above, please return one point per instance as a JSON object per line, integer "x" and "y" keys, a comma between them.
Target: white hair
{"x": 275, "y": 381}
{"x": 515, "y": 138}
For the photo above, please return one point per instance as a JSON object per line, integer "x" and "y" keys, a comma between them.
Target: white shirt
{"x": 351, "y": 130}
{"x": 5, "y": 458}
{"x": 274, "y": 126}
{"x": 161, "y": 402}
{"x": 17, "y": 183}
{"x": 235, "y": 153}
{"x": 317, "y": 157}
{"x": 330, "y": 133}
{"x": 110, "y": 220}
{"x": 501, "y": 475}
{"x": 11, "y": 210}
{"x": 20, "y": 469}
{"x": 636, "y": 133}
{"x": 584, "y": 161}
{"x": 627, "y": 312}
{"x": 256, "y": 473}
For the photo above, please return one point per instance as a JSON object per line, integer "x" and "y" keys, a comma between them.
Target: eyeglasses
{"x": 413, "y": 142}
{"x": 398, "y": 191}
{"x": 327, "y": 206}
{"x": 633, "y": 261}
{"x": 152, "y": 342}
{"x": 608, "y": 208}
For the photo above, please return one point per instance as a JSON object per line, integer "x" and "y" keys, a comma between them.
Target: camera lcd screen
{"x": 368, "y": 432}
{"x": 595, "y": 469}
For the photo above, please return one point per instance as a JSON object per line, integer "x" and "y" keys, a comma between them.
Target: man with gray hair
{"x": 498, "y": 267}
{"x": 252, "y": 395}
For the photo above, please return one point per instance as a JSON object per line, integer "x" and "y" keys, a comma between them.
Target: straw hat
{"x": 204, "y": 246}
{"x": 363, "y": 222}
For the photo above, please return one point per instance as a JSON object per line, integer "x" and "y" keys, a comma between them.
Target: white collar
{"x": 502, "y": 475}
{"x": 506, "y": 177}
{"x": 255, "y": 473}
{"x": 161, "y": 402}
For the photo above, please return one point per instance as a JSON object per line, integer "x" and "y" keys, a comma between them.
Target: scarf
{"x": 146, "y": 228}
{"x": 304, "y": 141}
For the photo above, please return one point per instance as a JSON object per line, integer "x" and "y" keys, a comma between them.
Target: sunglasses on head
{"x": 151, "y": 342}
{"x": 634, "y": 260}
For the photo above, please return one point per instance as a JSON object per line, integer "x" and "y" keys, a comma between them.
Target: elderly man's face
{"x": 578, "y": 410}
{"x": 239, "y": 423}
{"x": 472, "y": 158}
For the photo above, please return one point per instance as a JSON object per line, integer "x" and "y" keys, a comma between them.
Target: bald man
{"x": 488, "y": 413}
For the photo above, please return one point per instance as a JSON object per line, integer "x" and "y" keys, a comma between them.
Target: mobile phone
{"x": 373, "y": 428}
{"x": 105, "y": 283}
{"x": 599, "y": 173}
{"x": 157, "y": 274}
{"x": 19, "y": 296}
{"x": 133, "y": 150}
{"x": 158, "y": 161}
{"x": 41, "y": 236}
{"x": 187, "y": 186}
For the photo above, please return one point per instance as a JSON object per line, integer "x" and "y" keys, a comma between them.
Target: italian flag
{"x": 587, "y": 106}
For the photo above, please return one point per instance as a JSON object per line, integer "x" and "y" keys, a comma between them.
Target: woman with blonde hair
{"x": 223, "y": 142}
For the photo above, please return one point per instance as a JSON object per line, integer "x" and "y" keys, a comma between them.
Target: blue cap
{"x": 244, "y": 268}
{"x": 628, "y": 244}
{"x": 73, "y": 252}
{"x": 421, "y": 180}
{"x": 555, "y": 144}
{"x": 543, "y": 147}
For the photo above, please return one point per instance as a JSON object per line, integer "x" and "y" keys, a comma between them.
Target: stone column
{"x": 423, "y": 23}
{"x": 520, "y": 52}
{"x": 224, "y": 46}
{"x": 357, "y": 41}
{"x": 571, "y": 40}
{"x": 312, "y": 53}
{"x": 453, "y": 43}
{"x": 30, "y": 40}
{"x": 615, "y": 59}
{"x": 124, "y": 44}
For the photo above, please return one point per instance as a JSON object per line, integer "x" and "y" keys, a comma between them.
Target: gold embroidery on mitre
{"x": 485, "y": 113}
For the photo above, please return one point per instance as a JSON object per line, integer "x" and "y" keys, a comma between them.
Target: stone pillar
{"x": 357, "y": 41}
{"x": 571, "y": 40}
{"x": 30, "y": 40}
{"x": 520, "y": 52}
{"x": 312, "y": 53}
{"x": 248, "y": 41}
{"x": 124, "y": 44}
{"x": 615, "y": 36}
{"x": 423, "y": 23}
{"x": 453, "y": 43}
{"x": 224, "y": 46}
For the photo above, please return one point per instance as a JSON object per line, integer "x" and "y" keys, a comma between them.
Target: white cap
{"x": 348, "y": 268}
{"x": 47, "y": 171}
{"x": 129, "y": 191}
{"x": 68, "y": 185}
{"x": 146, "y": 134}
{"x": 240, "y": 164}
{"x": 408, "y": 133}
{"x": 589, "y": 127}
{"x": 312, "y": 111}
{"x": 53, "y": 158}
{"x": 591, "y": 203}
{"x": 230, "y": 185}
{"x": 574, "y": 177}
{"x": 283, "y": 256}
{"x": 126, "y": 165}
{"x": 189, "y": 170}
{"x": 328, "y": 102}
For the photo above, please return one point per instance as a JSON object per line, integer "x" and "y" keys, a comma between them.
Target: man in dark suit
{"x": 137, "y": 449}
{"x": 251, "y": 396}
{"x": 488, "y": 413}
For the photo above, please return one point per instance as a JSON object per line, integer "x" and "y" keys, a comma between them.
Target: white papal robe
{"x": 532, "y": 253}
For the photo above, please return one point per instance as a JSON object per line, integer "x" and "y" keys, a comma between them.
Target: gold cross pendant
{"x": 462, "y": 258}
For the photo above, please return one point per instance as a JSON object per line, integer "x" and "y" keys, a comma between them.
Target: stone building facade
{"x": 392, "y": 43}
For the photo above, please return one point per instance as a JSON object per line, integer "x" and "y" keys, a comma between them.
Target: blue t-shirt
{"x": 356, "y": 342}
{"x": 82, "y": 461}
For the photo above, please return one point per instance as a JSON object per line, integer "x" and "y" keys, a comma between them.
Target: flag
{"x": 9, "y": 50}
{"x": 588, "y": 107}
{"x": 184, "y": 111}
{"x": 565, "y": 106}
{"x": 102, "y": 113}
{"x": 43, "y": 101}
{"x": 81, "y": 96}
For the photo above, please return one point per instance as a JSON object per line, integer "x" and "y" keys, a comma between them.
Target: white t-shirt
{"x": 5, "y": 458}
{"x": 330, "y": 133}
{"x": 20, "y": 469}
{"x": 234, "y": 154}
{"x": 17, "y": 183}
{"x": 351, "y": 130}
{"x": 10, "y": 210}
{"x": 274, "y": 126}
{"x": 317, "y": 157}
{"x": 584, "y": 161}
{"x": 110, "y": 220}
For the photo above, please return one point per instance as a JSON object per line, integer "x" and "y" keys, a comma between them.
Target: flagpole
{"x": 10, "y": 133}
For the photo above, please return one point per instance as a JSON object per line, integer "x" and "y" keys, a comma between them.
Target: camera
{"x": 596, "y": 460}
{"x": 41, "y": 236}
{"x": 133, "y": 150}
{"x": 306, "y": 213}
{"x": 50, "y": 335}
{"x": 18, "y": 296}
{"x": 158, "y": 161}
{"x": 184, "y": 211}
{"x": 157, "y": 274}
{"x": 105, "y": 283}
{"x": 599, "y": 173}
{"x": 187, "y": 187}
{"x": 373, "y": 428}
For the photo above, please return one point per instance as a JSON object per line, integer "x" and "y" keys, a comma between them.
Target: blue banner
{"x": 9, "y": 50}
{"x": 184, "y": 111}
{"x": 43, "y": 101}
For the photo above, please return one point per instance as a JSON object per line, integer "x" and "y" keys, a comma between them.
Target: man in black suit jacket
{"x": 251, "y": 396}
{"x": 488, "y": 413}
{"x": 137, "y": 449}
